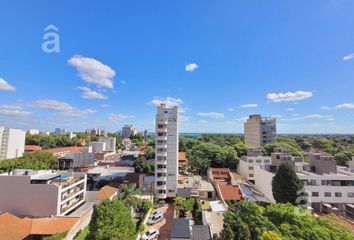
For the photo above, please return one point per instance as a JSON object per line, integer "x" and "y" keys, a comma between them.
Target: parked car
{"x": 160, "y": 204}
{"x": 157, "y": 212}
{"x": 151, "y": 234}
{"x": 155, "y": 218}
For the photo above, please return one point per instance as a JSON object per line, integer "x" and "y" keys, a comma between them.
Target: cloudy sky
{"x": 219, "y": 61}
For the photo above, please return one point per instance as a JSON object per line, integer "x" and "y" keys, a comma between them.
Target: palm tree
{"x": 128, "y": 195}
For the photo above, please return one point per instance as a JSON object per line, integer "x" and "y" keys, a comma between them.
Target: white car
{"x": 151, "y": 234}
{"x": 155, "y": 218}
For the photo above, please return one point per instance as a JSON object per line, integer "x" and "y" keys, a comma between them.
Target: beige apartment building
{"x": 259, "y": 131}
{"x": 166, "y": 160}
{"x": 42, "y": 193}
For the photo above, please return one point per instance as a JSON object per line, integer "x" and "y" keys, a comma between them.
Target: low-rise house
{"x": 201, "y": 232}
{"x": 32, "y": 148}
{"x": 106, "y": 173}
{"x": 41, "y": 193}
{"x": 182, "y": 160}
{"x": 195, "y": 186}
{"x": 229, "y": 192}
{"x": 219, "y": 175}
{"x": 181, "y": 229}
{"x": 16, "y": 228}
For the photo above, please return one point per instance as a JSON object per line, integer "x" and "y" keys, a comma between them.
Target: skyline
{"x": 217, "y": 62}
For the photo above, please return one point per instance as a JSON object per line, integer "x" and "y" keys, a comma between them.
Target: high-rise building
{"x": 259, "y": 131}
{"x": 166, "y": 160}
{"x": 129, "y": 131}
{"x": 12, "y": 143}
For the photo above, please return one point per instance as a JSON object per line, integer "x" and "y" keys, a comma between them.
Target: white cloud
{"x": 310, "y": 116}
{"x": 295, "y": 115}
{"x": 231, "y": 109}
{"x": 277, "y": 116}
{"x": 185, "y": 118}
{"x": 288, "y": 96}
{"x": 211, "y": 115}
{"x": 330, "y": 119}
{"x": 249, "y": 105}
{"x": 191, "y": 67}
{"x": 92, "y": 71}
{"x": 348, "y": 57}
{"x": 290, "y": 109}
{"x": 5, "y": 86}
{"x": 90, "y": 94}
{"x": 345, "y": 106}
{"x": 123, "y": 82}
{"x": 13, "y": 110}
{"x": 325, "y": 108}
{"x": 62, "y": 107}
{"x": 105, "y": 105}
{"x": 118, "y": 117}
{"x": 313, "y": 116}
{"x": 169, "y": 101}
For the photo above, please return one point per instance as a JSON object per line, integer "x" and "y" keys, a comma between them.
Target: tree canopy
{"x": 31, "y": 160}
{"x": 111, "y": 220}
{"x": 247, "y": 220}
{"x": 142, "y": 166}
{"x": 206, "y": 154}
{"x": 286, "y": 185}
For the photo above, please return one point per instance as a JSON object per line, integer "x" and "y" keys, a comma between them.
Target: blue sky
{"x": 218, "y": 60}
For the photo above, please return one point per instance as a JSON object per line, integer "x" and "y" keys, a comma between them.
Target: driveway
{"x": 165, "y": 226}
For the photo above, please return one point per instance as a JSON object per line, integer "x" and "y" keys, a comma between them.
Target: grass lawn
{"x": 83, "y": 234}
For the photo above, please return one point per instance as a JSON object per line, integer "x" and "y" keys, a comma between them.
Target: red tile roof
{"x": 230, "y": 192}
{"x": 63, "y": 149}
{"x": 29, "y": 148}
{"x": 223, "y": 173}
{"x": 15, "y": 228}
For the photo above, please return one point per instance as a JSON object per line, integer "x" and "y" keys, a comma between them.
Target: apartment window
{"x": 315, "y": 194}
{"x": 250, "y": 168}
{"x": 338, "y": 194}
{"x": 267, "y": 161}
{"x": 250, "y": 175}
{"x": 351, "y": 194}
{"x": 258, "y": 160}
{"x": 327, "y": 194}
{"x": 250, "y": 160}
{"x": 160, "y": 166}
{"x": 160, "y": 183}
{"x": 171, "y": 191}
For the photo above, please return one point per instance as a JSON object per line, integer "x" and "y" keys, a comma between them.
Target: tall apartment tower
{"x": 12, "y": 143}
{"x": 166, "y": 160}
{"x": 259, "y": 131}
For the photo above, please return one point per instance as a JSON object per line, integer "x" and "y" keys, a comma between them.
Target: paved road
{"x": 165, "y": 226}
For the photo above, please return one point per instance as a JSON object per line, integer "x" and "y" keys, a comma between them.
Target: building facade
{"x": 42, "y": 193}
{"x": 166, "y": 160}
{"x": 128, "y": 131}
{"x": 12, "y": 143}
{"x": 259, "y": 131}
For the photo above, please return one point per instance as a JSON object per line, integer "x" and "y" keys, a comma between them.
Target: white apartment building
{"x": 166, "y": 161}
{"x": 12, "y": 143}
{"x": 42, "y": 193}
{"x": 324, "y": 181}
{"x": 247, "y": 163}
{"x": 259, "y": 131}
{"x": 110, "y": 143}
{"x": 129, "y": 131}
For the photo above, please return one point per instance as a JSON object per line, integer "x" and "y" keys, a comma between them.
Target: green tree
{"x": 286, "y": 185}
{"x": 111, "y": 220}
{"x": 142, "y": 166}
{"x": 341, "y": 158}
{"x": 205, "y": 154}
{"x": 129, "y": 196}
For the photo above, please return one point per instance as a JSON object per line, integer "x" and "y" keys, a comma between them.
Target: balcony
{"x": 163, "y": 154}
{"x": 161, "y": 178}
{"x": 162, "y": 130}
{"x": 161, "y": 187}
{"x": 161, "y": 170}
{"x": 162, "y": 121}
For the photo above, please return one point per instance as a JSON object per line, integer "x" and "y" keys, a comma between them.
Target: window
{"x": 171, "y": 174}
{"x": 250, "y": 168}
{"x": 351, "y": 194}
{"x": 258, "y": 160}
{"x": 327, "y": 194}
{"x": 267, "y": 161}
{"x": 250, "y": 160}
{"x": 338, "y": 194}
{"x": 250, "y": 175}
{"x": 171, "y": 191}
{"x": 315, "y": 194}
